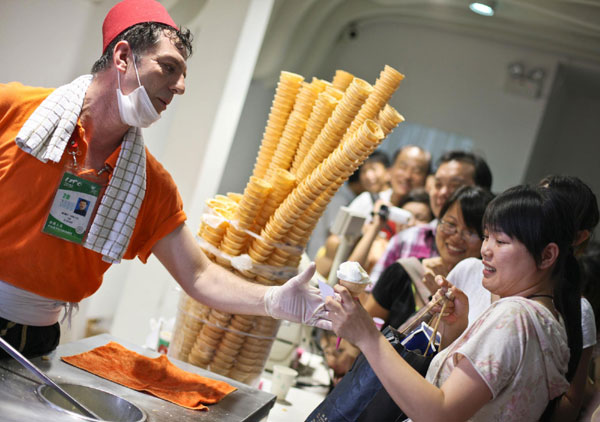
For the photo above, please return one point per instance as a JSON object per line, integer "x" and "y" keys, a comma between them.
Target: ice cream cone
{"x": 353, "y": 277}
{"x": 354, "y": 288}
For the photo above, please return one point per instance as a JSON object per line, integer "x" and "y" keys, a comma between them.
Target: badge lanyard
{"x": 75, "y": 201}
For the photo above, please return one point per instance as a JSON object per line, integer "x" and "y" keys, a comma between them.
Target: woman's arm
{"x": 375, "y": 309}
{"x": 463, "y": 393}
{"x": 377, "y": 250}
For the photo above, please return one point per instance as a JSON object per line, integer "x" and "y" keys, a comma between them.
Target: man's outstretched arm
{"x": 218, "y": 288}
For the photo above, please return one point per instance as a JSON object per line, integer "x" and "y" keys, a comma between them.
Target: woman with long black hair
{"x": 522, "y": 351}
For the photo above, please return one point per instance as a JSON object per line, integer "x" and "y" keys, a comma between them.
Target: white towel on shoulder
{"x": 45, "y": 136}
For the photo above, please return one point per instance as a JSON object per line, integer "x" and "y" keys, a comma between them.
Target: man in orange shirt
{"x": 85, "y": 139}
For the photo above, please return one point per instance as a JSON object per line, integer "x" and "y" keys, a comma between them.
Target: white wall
{"x": 568, "y": 141}
{"x": 453, "y": 83}
{"x": 41, "y": 45}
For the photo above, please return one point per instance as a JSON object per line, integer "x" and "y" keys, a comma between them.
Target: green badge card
{"x": 72, "y": 208}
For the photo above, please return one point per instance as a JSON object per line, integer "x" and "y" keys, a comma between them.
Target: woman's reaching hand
{"x": 349, "y": 319}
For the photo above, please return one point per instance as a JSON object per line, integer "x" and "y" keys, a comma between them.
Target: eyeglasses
{"x": 451, "y": 229}
{"x": 412, "y": 169}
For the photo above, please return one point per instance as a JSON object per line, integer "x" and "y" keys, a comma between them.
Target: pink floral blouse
{"x": 520, "y": 350}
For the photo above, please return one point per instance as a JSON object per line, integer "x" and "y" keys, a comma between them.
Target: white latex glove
{"x": 297, "y": 301}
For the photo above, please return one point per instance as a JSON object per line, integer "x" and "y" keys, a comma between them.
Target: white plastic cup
{"x": 283, "y": 379}
{"x": 399, "y": 215}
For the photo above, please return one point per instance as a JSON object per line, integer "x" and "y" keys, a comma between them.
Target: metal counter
{"x": 19, "y": 401}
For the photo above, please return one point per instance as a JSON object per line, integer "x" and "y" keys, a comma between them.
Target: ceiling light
{"x": 483, "y": 7}
{"x": 536, "y": 74}
{"x": 516, "y": 70}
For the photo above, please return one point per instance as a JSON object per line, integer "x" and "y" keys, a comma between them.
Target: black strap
{"x": 548, "y": 296}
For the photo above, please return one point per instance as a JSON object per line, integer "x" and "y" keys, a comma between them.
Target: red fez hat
{"x": 131, "y": 12}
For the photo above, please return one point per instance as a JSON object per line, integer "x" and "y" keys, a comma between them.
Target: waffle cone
{"x": 385, "y": 86}
{"x": 285, "y": 96}
{"x": 342, "y": 79}
{"x": 340, "y": 120}
{"x": 389, "y": 118}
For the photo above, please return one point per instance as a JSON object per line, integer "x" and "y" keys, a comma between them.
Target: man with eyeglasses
{"x": 409, "y": 170}
{"x": 455, "y": 169}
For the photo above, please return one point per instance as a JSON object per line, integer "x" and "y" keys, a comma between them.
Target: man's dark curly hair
{"x": 143, "y": 36}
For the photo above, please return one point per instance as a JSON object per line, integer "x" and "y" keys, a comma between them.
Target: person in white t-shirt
{"x": 409, "y": 170}
{"x": 411, "y": 165}
{"x": 408, "y": 173}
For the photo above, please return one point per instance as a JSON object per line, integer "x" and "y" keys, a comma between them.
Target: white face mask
{"x": 136, "y": 109}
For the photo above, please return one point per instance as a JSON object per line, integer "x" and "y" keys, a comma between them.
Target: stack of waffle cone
{"x": 288, "y": 143}
{"x": 295, "y": 127}
{"x": 387, "y": 83}
{"x": 208, "y": 339}
{"x": 316, "y": 136}
{"x": 235, "y": 197}
{"x": 283, "y": 183}
{"x": 342, "y": 161}
{"x": 388, "y": 119}
{"x": 336, "y": 126}
{"x": 320, "y": 84}
{"x": 321, "y": 112}
{"x": 335, "y": 92}
{"x": 354, "y": 152}
{"x": 236, "y": 236}
{"x": 189, "y": 322}
{"x": 213, "y": 230}
{"x": 285, "y": 97}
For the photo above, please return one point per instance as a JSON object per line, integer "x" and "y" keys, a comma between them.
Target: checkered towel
{"x": 45, "y": 136}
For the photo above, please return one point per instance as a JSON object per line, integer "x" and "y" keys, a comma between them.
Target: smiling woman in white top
{"x": 522, "y": 351}
{"x": 468, "y": 276}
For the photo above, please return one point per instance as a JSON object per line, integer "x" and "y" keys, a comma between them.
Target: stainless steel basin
{"x": 107, "y": 406}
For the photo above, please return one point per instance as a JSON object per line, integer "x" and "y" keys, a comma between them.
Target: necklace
{"x": 74, "y": 151}
{"x": 548, "y": 296}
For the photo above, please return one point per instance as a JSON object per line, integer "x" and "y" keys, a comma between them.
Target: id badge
{"x": 72, "y": 208}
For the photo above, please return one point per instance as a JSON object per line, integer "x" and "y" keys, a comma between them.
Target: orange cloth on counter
{"x": 158, "y": 376}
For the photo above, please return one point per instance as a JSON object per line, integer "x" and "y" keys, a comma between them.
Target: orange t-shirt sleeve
{"x": 160, "y": 214}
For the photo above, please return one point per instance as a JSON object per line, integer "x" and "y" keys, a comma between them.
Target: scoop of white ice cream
{"x": 352, "y": 271}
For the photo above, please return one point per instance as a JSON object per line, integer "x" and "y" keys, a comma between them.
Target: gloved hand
{"x": 297, "y": 301}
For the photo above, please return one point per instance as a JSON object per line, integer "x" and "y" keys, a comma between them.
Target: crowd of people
{"x": 522, "y": 313}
